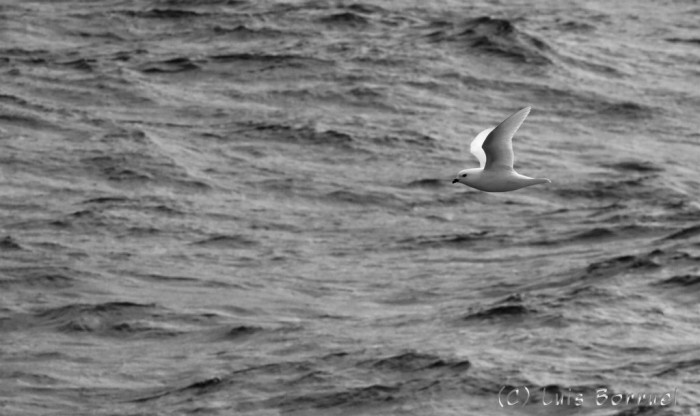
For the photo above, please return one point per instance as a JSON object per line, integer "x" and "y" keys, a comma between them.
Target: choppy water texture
{"x": 244, "y": 207}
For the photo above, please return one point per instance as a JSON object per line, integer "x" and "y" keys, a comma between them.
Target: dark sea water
{"x": 244, "y": 207}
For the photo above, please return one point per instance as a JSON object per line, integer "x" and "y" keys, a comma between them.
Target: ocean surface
{"x": 238, "y": 207}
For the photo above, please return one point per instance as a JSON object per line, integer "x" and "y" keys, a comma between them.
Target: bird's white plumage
{"x": 498, "y": 145}
{"x": 494, "y": 149}
{"x": 476, "y": 149}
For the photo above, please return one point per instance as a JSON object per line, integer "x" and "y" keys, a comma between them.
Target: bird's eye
{"x": 464, "y": 175}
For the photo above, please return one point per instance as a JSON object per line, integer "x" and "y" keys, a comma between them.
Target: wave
{"x": 81, "y": 64}
{"x": 242, "y": 332}
{"x": 97, "y": 34}
{"x": 198, "y": 387}
{"x": 364, "y": 198}
{"x": 170, "y": 66}
{"x": 131, "y": 156}
{"x": 674, "y": 368}
{"x": 41, "y": 277}
{"x": 310, "y": 385}
{"x": 28, "y": 121}
{"x": 691, "y": 41}
{"x": 501, "y": 311}
{"x": 503, "y": 38}
{"x": 300, "y": 135}
{"x": 407, "y": 138}
{"x": 444, "y": 240}
{"x": 494, "y": 36}
{"x": 141, "y": 204}
{"x": 687, "y": 232}
{"x": 428, "y": 183}
{"x": 102, "y": 318}
{"x": 107, "y": 200}
{"x": 627, "y": 110}
{"x": 396, "y": 378}
{"x": 594, "y": 234}
{"x": 243, "y": 32}
{"x": 647, "y": 263}
{"x": 410, "y": 362}
{"x": 141, "y": 330}
{"x": 636, "y": 166}
{"x": 168, "y": 279}
{"x": 508, "y": 308}
{"x": 345, "y": 19}
{"x": 114, "y": 169}
{"x": 618, "y": 265}
{"x": 576, "y": 26}
{"x": 161, "y": 14}
{"x": 9, "y": 243}
{"x": 601, "y": 234}
{"x": 636, "y": 188}
{"x": 193, "y": 3}
{"x": 680, "y": 281}
{"x": 227, "y": 241}
{"x": 373, "y": 394}
{"x": 247, "y": 61}
{"x": 366, "y": 8}
{"x": 204, "y": 384}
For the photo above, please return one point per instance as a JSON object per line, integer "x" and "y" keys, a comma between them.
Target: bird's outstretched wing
{"x": 476, "y": 149}
{"x": 498, "y": 145}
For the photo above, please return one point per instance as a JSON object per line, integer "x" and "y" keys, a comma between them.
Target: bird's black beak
{"x": 455, "y": 180}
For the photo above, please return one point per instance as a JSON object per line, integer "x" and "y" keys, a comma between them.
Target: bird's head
{"x": 467, "y": 176}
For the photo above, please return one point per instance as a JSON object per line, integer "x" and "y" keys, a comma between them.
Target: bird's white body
{"x": 501, "y": 180}
{"x": 494, "y": 149}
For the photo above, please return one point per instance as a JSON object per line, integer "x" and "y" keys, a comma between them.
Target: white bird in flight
{"x": 494, "y": 149}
